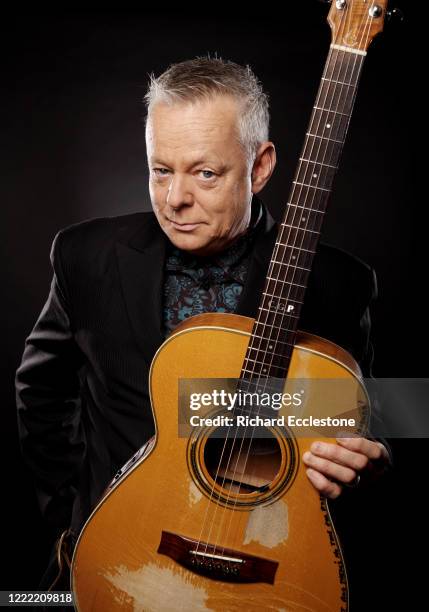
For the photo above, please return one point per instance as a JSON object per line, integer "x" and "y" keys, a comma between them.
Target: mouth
{"x": 184, "y": 227}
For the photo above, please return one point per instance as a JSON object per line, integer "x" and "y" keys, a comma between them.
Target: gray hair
{"x": 203, "y": 78}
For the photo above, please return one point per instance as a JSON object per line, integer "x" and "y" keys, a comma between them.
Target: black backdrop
{"x": 73, "y": 148}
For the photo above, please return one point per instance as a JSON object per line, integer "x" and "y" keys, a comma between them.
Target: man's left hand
{"x": 331, "y": 466}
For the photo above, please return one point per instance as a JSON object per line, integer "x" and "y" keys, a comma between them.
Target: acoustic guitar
{"x": 231, "y": 522}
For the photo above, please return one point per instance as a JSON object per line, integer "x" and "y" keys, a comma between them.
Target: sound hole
{"x": 243, "y": 465}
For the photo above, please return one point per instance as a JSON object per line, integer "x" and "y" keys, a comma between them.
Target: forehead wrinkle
{"x": 192, "y": 133}
{"x": 205, "y": 148}
{"x": 180, "y": 135}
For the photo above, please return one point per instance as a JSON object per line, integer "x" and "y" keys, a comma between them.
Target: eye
{"x": 207, "y": 174}
{"x": 160, "y": 171}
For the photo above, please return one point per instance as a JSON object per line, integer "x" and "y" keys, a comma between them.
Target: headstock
{"x": 354, "y": 23}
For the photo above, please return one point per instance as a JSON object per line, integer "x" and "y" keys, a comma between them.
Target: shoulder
{"x": 340, "y": 288}
{"x": 92, "y": 235}
{"x": 333, "y": 265}
{"x": 85, "y": 253}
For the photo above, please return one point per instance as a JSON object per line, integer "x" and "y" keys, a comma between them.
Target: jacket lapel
{"x": 258, "y": 266}
{"x": 141, "y": 261}
{"x": 141, "y": 266}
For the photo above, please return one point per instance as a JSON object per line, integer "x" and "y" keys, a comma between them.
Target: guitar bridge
{"x": 216, "y": 562}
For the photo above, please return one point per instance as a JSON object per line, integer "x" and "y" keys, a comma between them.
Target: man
{"x": 121, "y": 284}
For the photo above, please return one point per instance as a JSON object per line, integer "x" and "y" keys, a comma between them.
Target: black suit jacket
{"x": 82, "y": 387}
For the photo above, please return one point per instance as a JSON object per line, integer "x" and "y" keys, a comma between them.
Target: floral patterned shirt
{"x": 193, "y": 285}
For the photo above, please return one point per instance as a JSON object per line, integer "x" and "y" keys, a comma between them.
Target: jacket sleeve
{"x": 366, "y": 362}
{"x": 47, "y": 391}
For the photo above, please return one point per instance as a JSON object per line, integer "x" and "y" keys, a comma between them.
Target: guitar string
{"x": 353, "y": 76}
{"x": 278, "y": 332}
{"x": 278, "y": 275}
{"x": 305, "y": 170}
{"x": 339, "y": 127}
{"x": 294, "y": 271}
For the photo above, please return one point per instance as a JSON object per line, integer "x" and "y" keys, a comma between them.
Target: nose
{"x": 179, "y": 193}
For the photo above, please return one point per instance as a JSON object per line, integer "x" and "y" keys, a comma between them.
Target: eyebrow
{"x": 201, "y": 162}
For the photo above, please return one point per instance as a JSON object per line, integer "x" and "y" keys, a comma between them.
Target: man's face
{"x": 200, "y": 178}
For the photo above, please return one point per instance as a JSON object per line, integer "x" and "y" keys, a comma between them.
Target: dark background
{"x": 73, "y": 148}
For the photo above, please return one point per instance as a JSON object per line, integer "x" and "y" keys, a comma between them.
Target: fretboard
{"x": 274, "y": 331}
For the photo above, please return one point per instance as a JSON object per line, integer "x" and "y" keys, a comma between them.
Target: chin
{"x": 188, "y": 243}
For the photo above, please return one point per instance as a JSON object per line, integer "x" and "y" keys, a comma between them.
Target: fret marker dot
{"x": 270, "y": 347}
{"x": 328, "y": 125}
{"x": 304, "y": 219}
{"x": 315, "y": 175}
{"x": 293, "y": 256}
{"x": 264, "y": 370}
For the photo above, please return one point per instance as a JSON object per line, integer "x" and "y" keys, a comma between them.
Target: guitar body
{"x": 128, "y": 553}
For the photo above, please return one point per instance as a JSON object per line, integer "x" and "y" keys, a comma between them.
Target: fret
{"x": 264, "y": 353}
{"x": 315, "y": 174}
{"x": 259, "y": 349}
{"x": 330, "y": 110}
{"x": 282, "y": 263}
{"x": 278, "y": 280}
{"x": 327, "y": 151}
{"x": 277, "y": 314}
{"x": 266, "y": 365}
{"x": 280, "y": 298}
{"x": 297, "y": 248}
{"x": 343, "y": 98}
{"x": 342, "y": 68}
{"x": 300, "y": 261}
{"x": 298, "y": 237}
{"x": 247, "y": 371}
{"x": 290, "y": 272}
{"x": 273, "y": 342}
{"x": 325, "y": 122}
{"x": 253, "y": 372}
{"x": 338, "y": 82}
{"x": 311, "y": 186}
{"x": 312, "y": 161}
{"x": 348, "y": 72}
{"x": 312, "y": 210}
{"x": 300, "y": 229}
{"x": 287, "y": 275}
{"x": 283, "y": 329}
{"x": 258, "y": 380}
{"x": 324, "y": 138}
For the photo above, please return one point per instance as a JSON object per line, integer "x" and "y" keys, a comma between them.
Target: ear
{"x": 263, "y": 166}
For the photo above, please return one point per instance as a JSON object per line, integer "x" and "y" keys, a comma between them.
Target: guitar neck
{"x": 270, "y": 348}
{"x": 299, "y": 232}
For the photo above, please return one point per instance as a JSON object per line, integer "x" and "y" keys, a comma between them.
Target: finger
{"x": 329, "y": 468}
{"x": 338, "y": 454}
{"x": 370, "y": 448}
{"x": 323, "y": 485}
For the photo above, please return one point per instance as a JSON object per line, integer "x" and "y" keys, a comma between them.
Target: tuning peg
{"x": 395, "y": 15}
